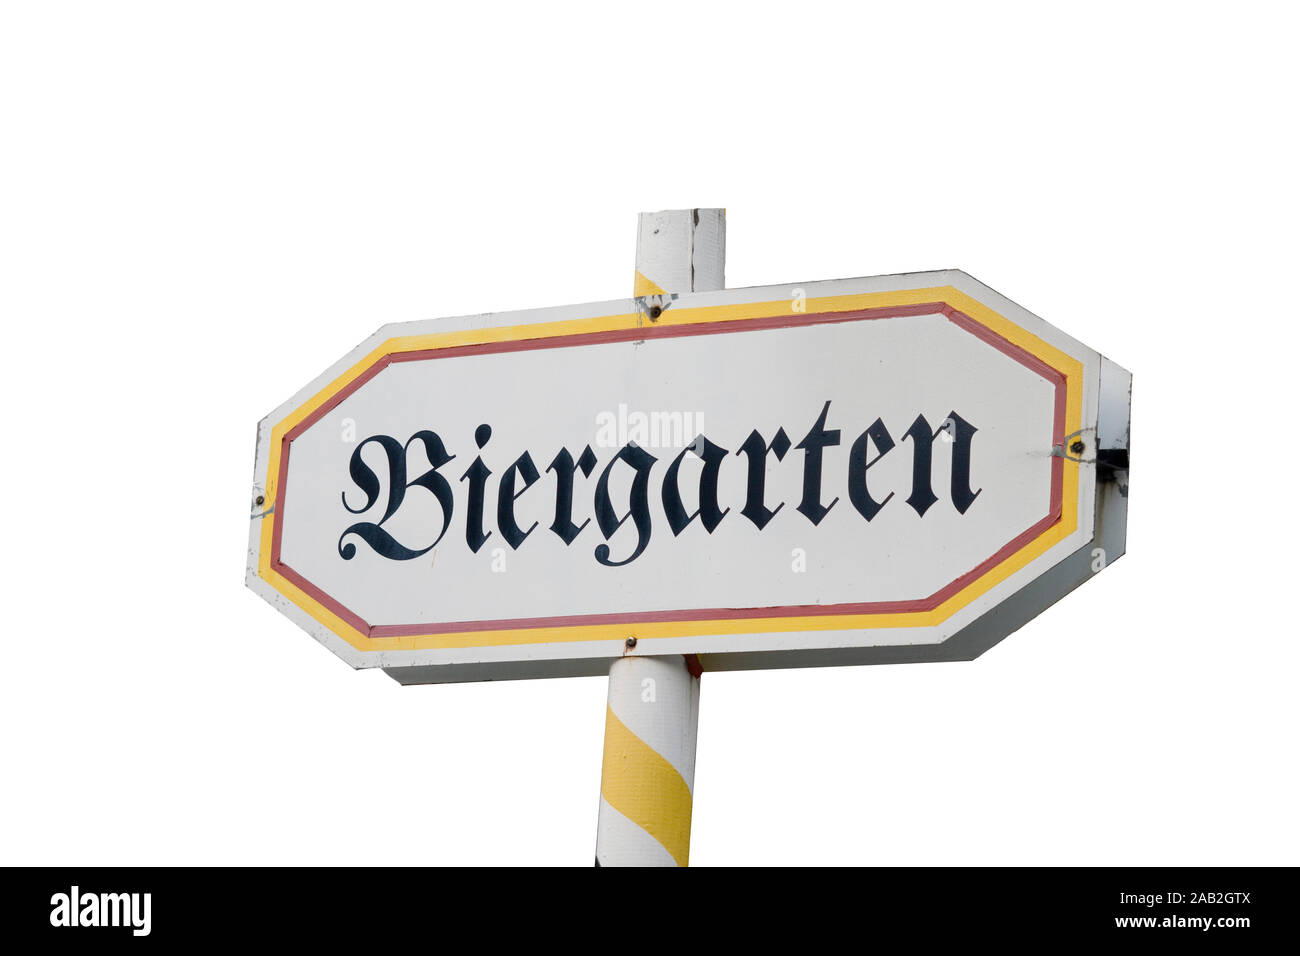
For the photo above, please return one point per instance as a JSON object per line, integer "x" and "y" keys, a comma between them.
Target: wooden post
{"x": 647, "y": 779}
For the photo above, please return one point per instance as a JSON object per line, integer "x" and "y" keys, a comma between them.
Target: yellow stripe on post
{"x": 646, "y": 789}
{"x": 647, "y": 779}
{"x": 643, "y": 286}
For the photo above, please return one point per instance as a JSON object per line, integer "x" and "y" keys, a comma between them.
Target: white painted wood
{"x": 683, "y": 250}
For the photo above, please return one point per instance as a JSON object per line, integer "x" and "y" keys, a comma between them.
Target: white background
{"x": 543, "y": 400}
{"x": 203, "y": 206}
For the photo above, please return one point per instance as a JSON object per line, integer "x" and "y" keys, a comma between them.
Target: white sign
{"x": 839, "y": 472}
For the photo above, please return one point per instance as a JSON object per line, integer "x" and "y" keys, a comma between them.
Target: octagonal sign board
{"x": 890, "y": 469}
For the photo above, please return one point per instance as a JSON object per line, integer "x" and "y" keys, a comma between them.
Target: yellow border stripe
{"x": 1069, "y": 367}
{"x": 644, "y": 787}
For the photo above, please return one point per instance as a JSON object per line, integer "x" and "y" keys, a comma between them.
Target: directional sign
{"x": 898, "y": 468}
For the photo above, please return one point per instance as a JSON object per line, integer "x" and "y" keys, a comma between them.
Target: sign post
{"x": 889, "y": 469}
{"x": 647, "y": 779}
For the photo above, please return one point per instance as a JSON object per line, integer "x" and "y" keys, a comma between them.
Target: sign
{"x": 899, "y": 468}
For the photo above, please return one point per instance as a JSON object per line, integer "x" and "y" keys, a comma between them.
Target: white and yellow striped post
{"x": 647, "y": 780}
{"x": 648, "y": 777}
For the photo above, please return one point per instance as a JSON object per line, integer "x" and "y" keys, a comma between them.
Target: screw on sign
{"x": 891, "y": 469}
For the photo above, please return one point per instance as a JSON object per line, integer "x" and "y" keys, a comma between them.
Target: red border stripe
{"x": 963, "y": 321}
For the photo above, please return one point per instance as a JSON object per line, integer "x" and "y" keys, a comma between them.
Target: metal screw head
{"x": 655, "y": 312}
{"x": 631, "y": 642}
{"x": 260, "y": 500}
{"x": 1077, "y": 447}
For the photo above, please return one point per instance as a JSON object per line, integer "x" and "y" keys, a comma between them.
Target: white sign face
{"x": 838, "y": 472}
